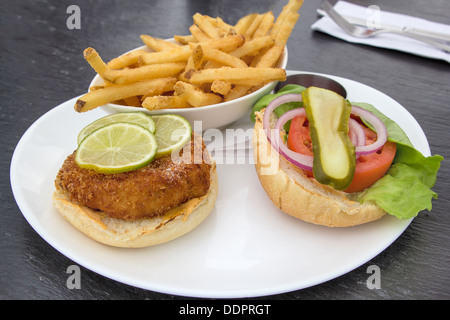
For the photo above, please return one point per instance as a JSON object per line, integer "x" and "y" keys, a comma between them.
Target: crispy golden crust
{"x": 302, "y": 197}
{"x": 143, "y": 232}
{"x": 147, "y": 192}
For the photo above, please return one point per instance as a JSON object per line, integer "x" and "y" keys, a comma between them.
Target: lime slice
{"x": 117, "y": 147}
{"x": 139, "y": 118}
{"x": 172, "y": 133}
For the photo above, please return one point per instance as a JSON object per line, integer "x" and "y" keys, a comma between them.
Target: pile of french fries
{"x": 216, "y": 62}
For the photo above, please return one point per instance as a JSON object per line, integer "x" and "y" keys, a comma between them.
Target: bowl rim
{"x": 283, "y": 65}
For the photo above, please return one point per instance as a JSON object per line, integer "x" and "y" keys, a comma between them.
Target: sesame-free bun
{"x": 294, "y": 193}
{"x": 142, "y": 232}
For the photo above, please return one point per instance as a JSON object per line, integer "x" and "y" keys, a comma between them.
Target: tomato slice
{"x": 299, "y": 139}
{"x": 369, "y": 168}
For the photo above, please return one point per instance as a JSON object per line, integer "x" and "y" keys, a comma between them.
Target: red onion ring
{"x": 302, "y": 161}
{"x": 275, "y": 103}
{"x": 379, "y": 127}
{"x": 356, "y": 132}
{"x": 273, "y": 135}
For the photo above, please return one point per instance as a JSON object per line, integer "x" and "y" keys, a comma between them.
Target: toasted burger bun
{"x": 143, "y": 232}
{"x": 302, "y": 197}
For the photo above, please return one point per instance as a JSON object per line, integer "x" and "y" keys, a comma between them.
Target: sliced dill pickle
{"x": 334, "y": 154}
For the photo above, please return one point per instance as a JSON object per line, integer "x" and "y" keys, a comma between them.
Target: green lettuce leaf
{"x": 396, "y": 133}
{"x": 405, "y": 190}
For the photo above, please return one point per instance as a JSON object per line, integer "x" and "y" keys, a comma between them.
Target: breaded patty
{"x": 143, "y": 193}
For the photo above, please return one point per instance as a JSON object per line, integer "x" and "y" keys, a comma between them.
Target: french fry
{"x": 225, "y": 44}
{"x": 253, "y": 27}
{"x": 198, "y": 34}
{"x": 250, "y": 82}
{"x": 95, "y": 61}
{"x": 221, "y": 87}
{"x": 230, "y": 32}
{"x": 265, "y": 25}
{"x": 270, "y": 57}
{"x": 157, "y": 44}
{"x": 244, "y": 23}
{"x": 203, "y": 23}
{"x": 164, "y": 102}
{"x": 151, "y": 71}
{"x": 194, "y": 96}
{"x": 221, "y": 25}
{"x": 291, "y": 6}
{"x": 196, "y": 59}
{"x": 286, "y": 28}
{"x": 194, "y": 62}
{"x": 96, "y": 88}
{"x": 125, "y": 60}
{"x": 222, "y": 58}
{"x": 108, "y": 94}
{"x": 252, "y": 47}
{"x": 133, "y": 101}
{"x": 184, "y": 40}
{"x": 237, "y": 92}
{"x": 238, "y": 75}
{"x": 212, "y": 65}
{"x": 178, "y": 54}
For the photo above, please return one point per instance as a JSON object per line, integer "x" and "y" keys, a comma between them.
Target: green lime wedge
{"x": 117, "y": 147}
{"x": 139, "y": 118}
{"x": 172, "y": 133}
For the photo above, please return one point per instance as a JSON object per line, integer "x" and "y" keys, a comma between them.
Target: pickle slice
{"x": 334, "y": 154}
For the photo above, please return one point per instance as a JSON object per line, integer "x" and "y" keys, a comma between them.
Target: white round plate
{"x": 245, "y": 248}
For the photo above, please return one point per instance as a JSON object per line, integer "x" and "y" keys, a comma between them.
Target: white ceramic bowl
{"x": 213, "y": 116}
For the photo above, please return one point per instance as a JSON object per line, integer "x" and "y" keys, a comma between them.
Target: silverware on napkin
{"x": 364, "y": 32}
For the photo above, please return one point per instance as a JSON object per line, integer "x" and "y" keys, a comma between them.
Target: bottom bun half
{"x": 294, "y": 193}
{"x": 138, "y": 233}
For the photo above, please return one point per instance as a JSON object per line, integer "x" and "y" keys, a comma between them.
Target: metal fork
{"x": 362, "y": 32}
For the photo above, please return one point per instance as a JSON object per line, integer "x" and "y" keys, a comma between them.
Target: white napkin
{"x": 376, "y": 17}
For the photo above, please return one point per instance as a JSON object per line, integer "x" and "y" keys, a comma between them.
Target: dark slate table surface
{"x": 42, "y": 66}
